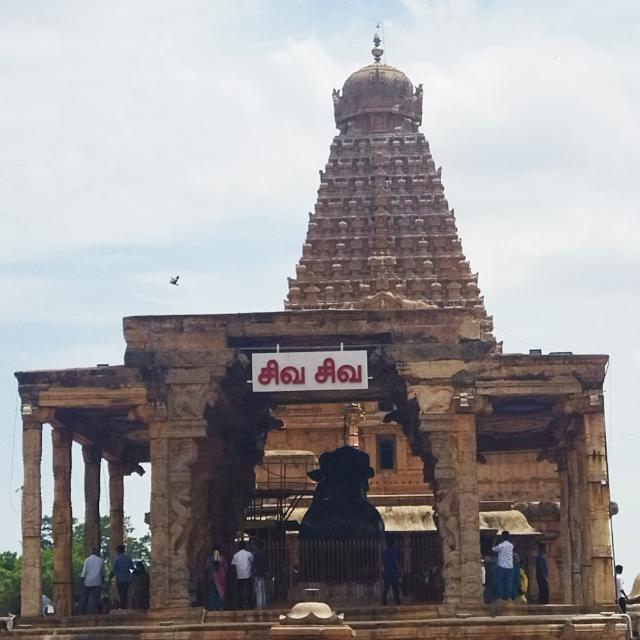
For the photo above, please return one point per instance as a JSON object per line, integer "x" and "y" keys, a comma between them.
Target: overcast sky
{"x": 144, "y": 139}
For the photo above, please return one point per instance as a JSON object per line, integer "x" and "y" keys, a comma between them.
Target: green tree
{"x": 9, "y": 582}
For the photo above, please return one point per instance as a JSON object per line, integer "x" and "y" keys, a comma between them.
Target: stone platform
{"x": 381, "y": 623}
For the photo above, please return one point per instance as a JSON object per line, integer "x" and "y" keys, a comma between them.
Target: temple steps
{"x": 432, "y": 622}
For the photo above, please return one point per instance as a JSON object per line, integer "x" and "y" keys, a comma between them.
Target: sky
{"x": 145, "y": 139}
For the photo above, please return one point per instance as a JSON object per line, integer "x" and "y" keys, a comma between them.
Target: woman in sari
{"x": 217, "y": 568}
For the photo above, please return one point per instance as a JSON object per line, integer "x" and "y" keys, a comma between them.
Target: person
{"x": 490, "y": 566}
{"x": 259, "y": 570}
{"x": 514, "y": 592}
{"x": 121, "y": 569}
{"x": 217, "y": 567}
{"x": 391, "y": 571}
{"x": 620, "y": 592}
{"x": 504, "y": 570}
{"x": 139, "y": 587}
{"x": 93, "y": 577}
{"x": 542, "y": 575}
{"x": 46, "y": 605}
{"x": 242, "y": 561}
{"x": 524, "y": 585}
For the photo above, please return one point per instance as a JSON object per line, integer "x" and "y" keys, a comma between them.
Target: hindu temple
{"x": 384, "y": 348}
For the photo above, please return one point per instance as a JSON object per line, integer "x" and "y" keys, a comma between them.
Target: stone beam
{"x": 91, "y": 397}
{"x": 62, "y": 522}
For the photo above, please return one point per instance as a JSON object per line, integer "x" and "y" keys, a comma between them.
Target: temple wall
{"x": 517, "y": 477}
{"x": 319, "y": 428}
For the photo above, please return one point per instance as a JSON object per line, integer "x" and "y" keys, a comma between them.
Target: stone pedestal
{"x": 311, "y": 633}
{"x": 311, "y": 621}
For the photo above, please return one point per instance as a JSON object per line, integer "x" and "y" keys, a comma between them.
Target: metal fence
{"x": 340, "y": 561}
{"x": 357, "y": 561}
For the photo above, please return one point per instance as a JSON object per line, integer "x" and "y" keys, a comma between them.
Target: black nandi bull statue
{"x": 340, "y": 508}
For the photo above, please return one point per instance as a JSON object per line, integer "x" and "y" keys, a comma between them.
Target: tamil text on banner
{"x": 309, "y": 371}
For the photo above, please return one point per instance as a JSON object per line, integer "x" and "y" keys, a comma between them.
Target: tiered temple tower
{"x": 382, "y": 234}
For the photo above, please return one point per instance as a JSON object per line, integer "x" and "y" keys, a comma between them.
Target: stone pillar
{"x": 174, "y": 431}
{"x": 576, "y": 515}
{"x": 31, "y": 579}
{"x": 597, "y": 552}
{"x": 62, "y": 522}
{"x": 159, "y": 516}
{"x": 585, "y": 512}
{"x": 171, "y": 515}
{"x": 116, "y": 507}
{"x": 92, "y": 460}
{"x": 565, "y": 534}
{"x": 451, "y": 441}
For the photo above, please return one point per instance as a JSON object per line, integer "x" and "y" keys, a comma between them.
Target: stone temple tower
{"x": 382, "y": 234}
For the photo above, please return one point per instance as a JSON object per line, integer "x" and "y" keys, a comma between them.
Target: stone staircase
{"x": 431, "y": 622}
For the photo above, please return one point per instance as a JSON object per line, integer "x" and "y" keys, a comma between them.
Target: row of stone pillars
{"x": 62, "y": 517}
{"x": 585, "y": 527}
{"x": 449, "y": 439}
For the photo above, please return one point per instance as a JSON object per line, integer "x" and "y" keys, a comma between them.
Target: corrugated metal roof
{"x": 416, "y": 518}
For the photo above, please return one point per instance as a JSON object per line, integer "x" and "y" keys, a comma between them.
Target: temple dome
{"x": 376, "y": 81}
{"x": 377, "y": 98}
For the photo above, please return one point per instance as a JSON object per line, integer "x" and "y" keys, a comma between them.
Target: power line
{"x": 531, "y": 344}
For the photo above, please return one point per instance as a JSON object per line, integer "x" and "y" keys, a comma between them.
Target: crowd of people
{"x": 131, "y": 582}
{"x": 249, "y": 572}
{"x": 505, "y": 578}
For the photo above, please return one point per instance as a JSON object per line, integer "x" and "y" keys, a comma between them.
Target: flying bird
{"x": 174, "y": 280}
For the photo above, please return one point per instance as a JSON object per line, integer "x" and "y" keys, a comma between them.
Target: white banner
{"x": 309, "y": 371}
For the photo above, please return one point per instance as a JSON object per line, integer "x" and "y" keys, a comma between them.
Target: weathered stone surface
{"x": 62, "y": 521}
{"x": 31, "y": 577}
{"x": 116, "y": 507}
{"x": 451, "y": 443}
{"x": 91, "y": 457}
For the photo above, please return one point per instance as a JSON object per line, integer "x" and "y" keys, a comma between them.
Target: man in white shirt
{"x": 621, "y": 595}
{"x": 243, "y": 561}
{"x": 93, "y": 577}
{"x": 504, "y": 549}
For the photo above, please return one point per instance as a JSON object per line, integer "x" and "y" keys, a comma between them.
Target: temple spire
{"x": 377, "y": 51}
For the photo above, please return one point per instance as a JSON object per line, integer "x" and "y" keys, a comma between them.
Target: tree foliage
{"x": 10, "y": 562}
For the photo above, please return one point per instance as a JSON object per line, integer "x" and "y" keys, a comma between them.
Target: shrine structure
{"x": 447, "y": 418}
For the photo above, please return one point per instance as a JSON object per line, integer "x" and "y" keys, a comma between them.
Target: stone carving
{"x": 312, "y": 613}
{"x": 432, "y": 399}
{"x": 387, "y": 300}
{"x": 340, "y": 508}
{"x": 188, "y": 401}
{"x": 183, "y": 454}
